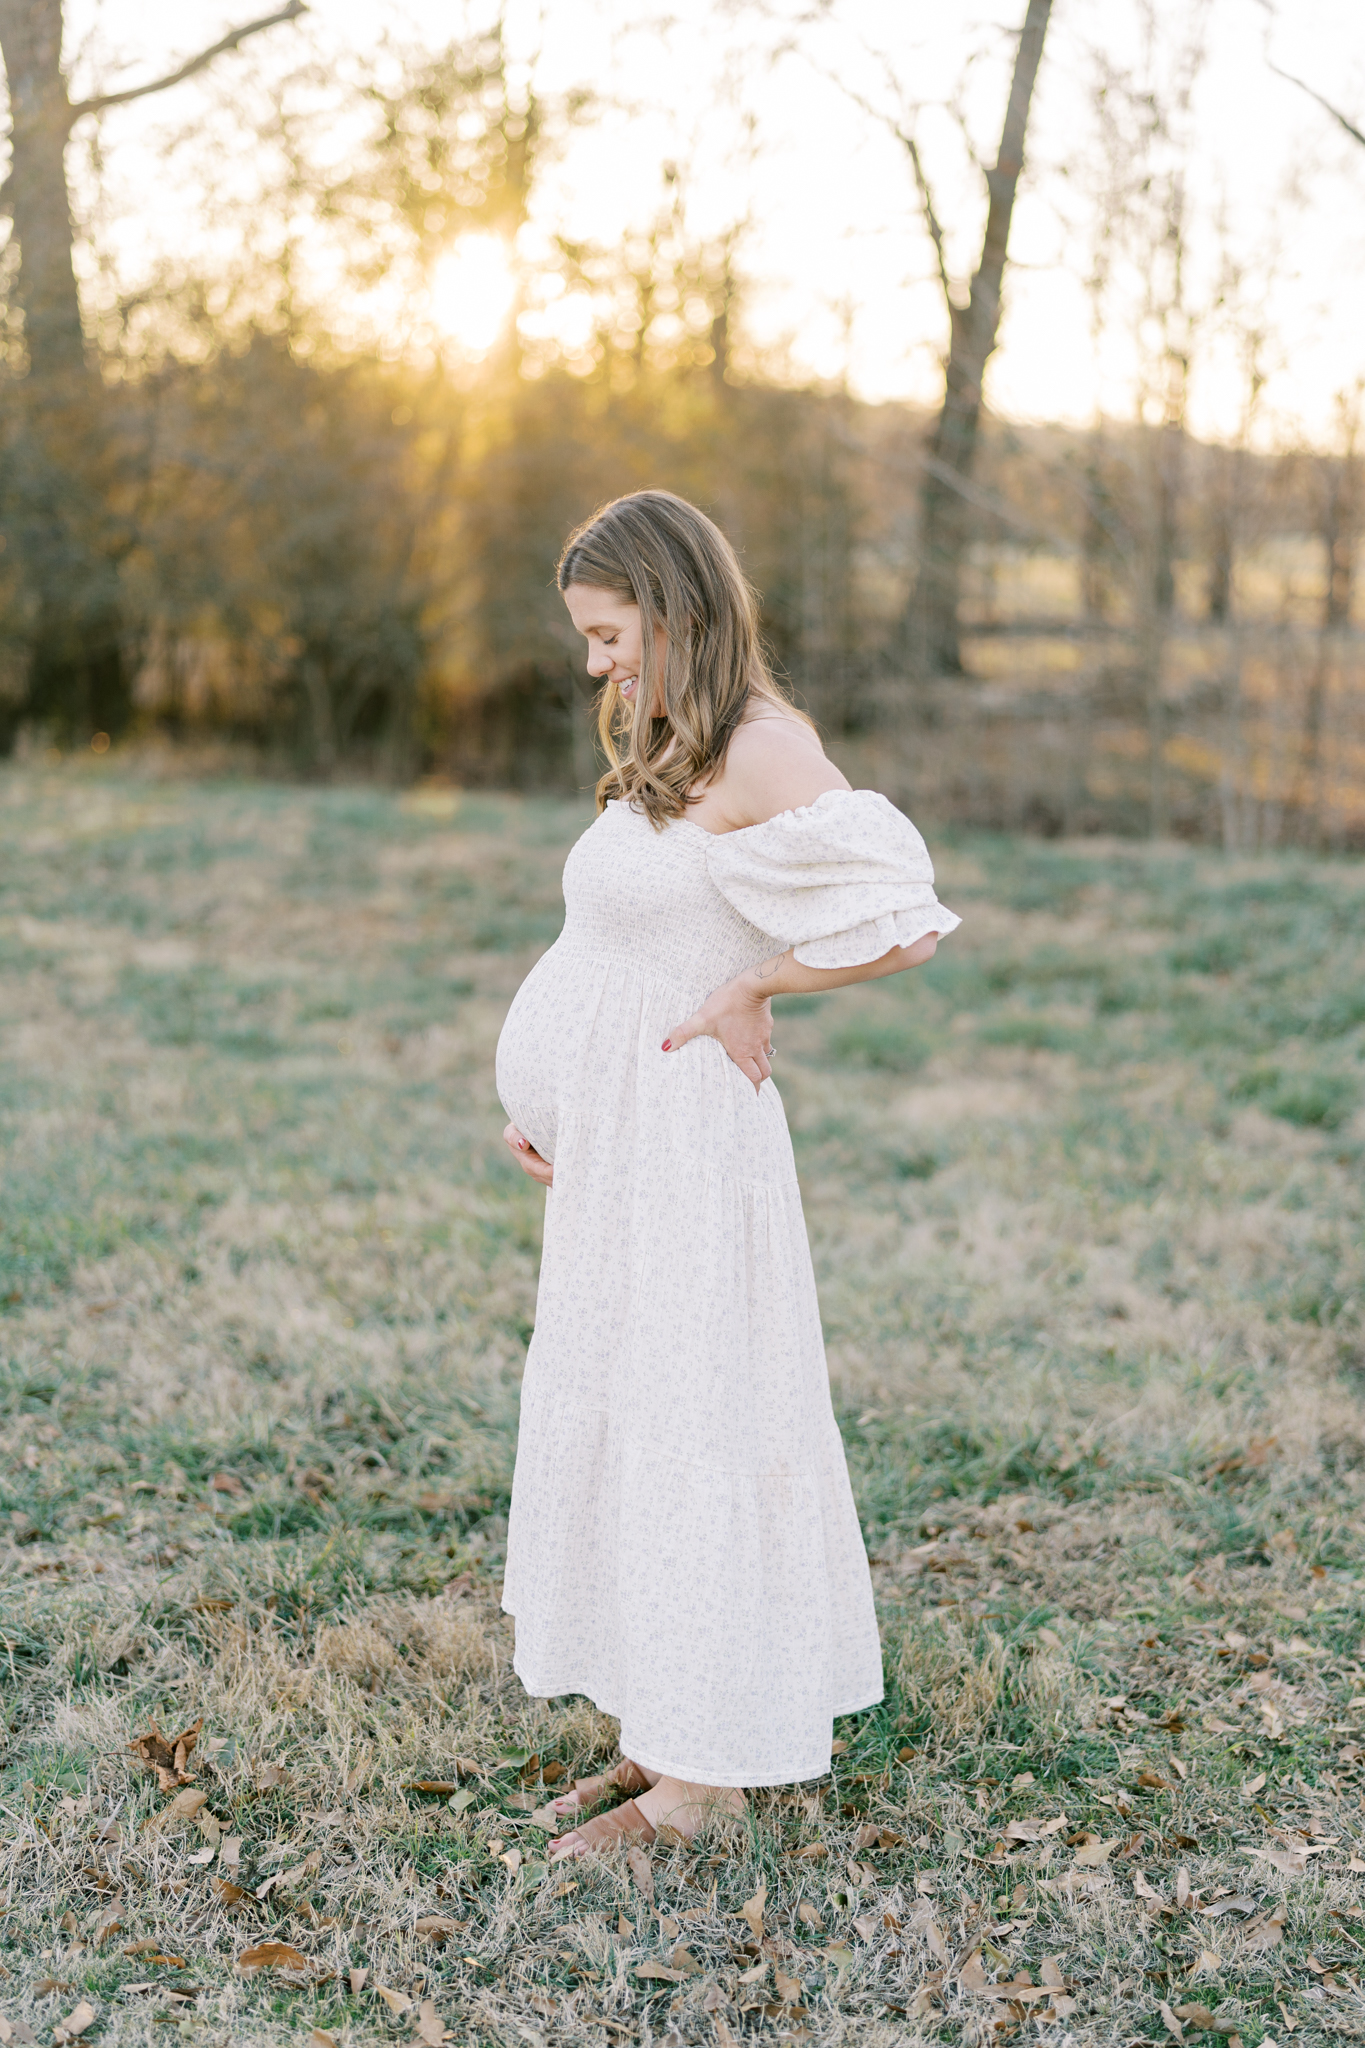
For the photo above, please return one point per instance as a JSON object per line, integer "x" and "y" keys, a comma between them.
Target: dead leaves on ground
{"x": 168, "y": 1756}
{"x": 272, "y": 1955}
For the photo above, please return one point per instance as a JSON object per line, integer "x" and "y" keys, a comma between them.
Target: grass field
{"x": 1085, "y": 1199}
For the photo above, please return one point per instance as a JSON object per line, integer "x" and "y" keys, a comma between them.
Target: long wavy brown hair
{"x": 665, "y": 556}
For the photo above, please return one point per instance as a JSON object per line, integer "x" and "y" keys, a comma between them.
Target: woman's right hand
{"x": 527, "y": 1157}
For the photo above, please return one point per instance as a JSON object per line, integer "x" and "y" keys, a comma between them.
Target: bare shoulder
{"x": 775, "y": 763}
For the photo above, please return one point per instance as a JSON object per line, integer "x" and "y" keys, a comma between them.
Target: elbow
{"x": 922, "y": 950}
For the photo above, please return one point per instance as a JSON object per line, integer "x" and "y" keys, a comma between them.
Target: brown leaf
{"x": 271, "y": 1777}
{"x": 1183, "y": 1894}
{"x": 640, "y": 1870}
{"x": 142, "y": 1948}
{"x": 1170, "y": 2022}
{"x": 168, "y": 1756}
{"x": 683, "y": 1959}
{"x": 1196, "y": 2016}
{"x": 1293, "y": 1862}
{"x": 184, "y": 1806}
{"x": 814, "y": 1852}
{"x": 442, "y": 1787}
{"x": 1145, "y": 1890}
{"x": 430, "y": 2028}
{"x": 662, "y": 1972}
{"x": 227, "y": 1893}
{"x": 868, "y": 1926}
{"x": 1265, "y": 1933}
{"x": 271, "y": 1955}
{"x": 788, "y": 1988}
{"x": 972, "y": 1977}
{"x": 227, "y": 1482}
{"x": 1153, "y": 1781}
{"x": 1092, "y": 1853}
{"x": 323, "y": 2038}
{"x": 75, "y": 2022}
{"x": 752, "y": 1910}
{"x": 289, "y": 1879}
{"x": 396, "y": 2001}
{"x": 439, "y": 1926}
{"x": 938, "y": 1947}
{"x": 45, "y": 1986}
{"x": 1050, "y": 1970}
{"x": 625, "y": 1928}
{"x": 16, "y": 2031}
{"x": 756, "y": 1974}
{"x": 357, "y": 1979}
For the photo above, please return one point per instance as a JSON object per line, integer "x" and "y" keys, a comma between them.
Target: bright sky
{"x": 840, "y": 272}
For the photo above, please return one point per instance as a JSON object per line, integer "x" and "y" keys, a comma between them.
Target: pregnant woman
{"x": 683, "y": 1546}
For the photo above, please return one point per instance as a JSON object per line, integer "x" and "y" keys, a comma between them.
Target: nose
{"x": 600, "y": 662}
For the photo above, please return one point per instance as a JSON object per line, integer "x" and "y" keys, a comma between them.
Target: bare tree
{"x": 930, "y": 627}
{"x": 70, "y": 550}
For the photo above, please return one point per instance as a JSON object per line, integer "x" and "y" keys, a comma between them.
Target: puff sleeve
{"x": 842, "y": 880}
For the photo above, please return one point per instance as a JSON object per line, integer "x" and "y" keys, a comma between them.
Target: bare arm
{"x": 740, "y": 1017}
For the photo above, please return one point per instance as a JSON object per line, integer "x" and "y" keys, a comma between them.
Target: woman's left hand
{"x": 740, "y": 1017}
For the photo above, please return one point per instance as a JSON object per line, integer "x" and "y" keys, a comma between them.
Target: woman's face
{"x": 611, "y": 626}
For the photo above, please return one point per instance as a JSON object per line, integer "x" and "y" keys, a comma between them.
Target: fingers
{"x": 527, "y": 1157}
{"x": 680, "y": 1034}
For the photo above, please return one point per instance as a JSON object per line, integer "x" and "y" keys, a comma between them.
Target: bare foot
{"x": 683, "y": 1807}
{"x": 623, "y": 1776}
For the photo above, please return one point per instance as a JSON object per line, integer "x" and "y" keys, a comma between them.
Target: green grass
{"x": 1085, "y": 1203}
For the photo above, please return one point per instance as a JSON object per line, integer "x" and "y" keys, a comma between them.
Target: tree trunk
{"x": 930, "y": 629}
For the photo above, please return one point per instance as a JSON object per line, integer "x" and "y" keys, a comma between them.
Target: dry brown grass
{"x": 1086, "y": 1207}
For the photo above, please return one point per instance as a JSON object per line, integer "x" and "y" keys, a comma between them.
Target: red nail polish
{"x": 668, "y": 1045}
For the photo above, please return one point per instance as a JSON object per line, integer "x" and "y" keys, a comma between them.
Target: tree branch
{"x": 1326, "y": 105}
{"x": 291, "y": 12}
{"x": 926, "y": 197}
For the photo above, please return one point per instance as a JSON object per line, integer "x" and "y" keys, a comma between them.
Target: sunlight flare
{"x": 472, "y": 290}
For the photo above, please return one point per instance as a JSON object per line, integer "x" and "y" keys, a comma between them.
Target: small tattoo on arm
{"x": 766, "y": 969}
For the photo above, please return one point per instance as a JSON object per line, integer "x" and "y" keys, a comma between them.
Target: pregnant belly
{"x": 531, "y": 1054}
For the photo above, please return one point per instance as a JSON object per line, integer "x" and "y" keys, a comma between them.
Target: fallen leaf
{"x": 1259, "y": 1934}
{"x": 142, "y": 1948}
{"x": 438, "y": 1927}
{"x": 17, "y": 2031}
{"x": 867, "y": 1927}
{"x": 683, "y": 1959}
{"x": 725, "y": 2037}
{"x": 202, "y": 1856}
{"x": 357, "y": 1978}
{"x": 1092, "y": 1852}
{"x": 667, "y": 1976}
{"x": 168, "y": 1756}
{"x": 1181, "y": 1769}
{"x": 1251, "y": 1786}
{"x": 1196, "y": 2016}
{"x": 1050, "y": 1970}
{"x": 1183, "y": 1893}
{"x": 184, "y": 1806}
{"x": 227, "y": 1893}
{"x": 625, "y": 1928}
{"x": 75, "y": 2022}
{"x": 810, "y": 1915}
{"x": 271, "y": 1955}
{"x": 271, "y": 1777}
{"x": 323, "y": 2038}
{"x": 837, "y": 1748}
{"x": 813, "y": 1852}
{"x": 107, "y": 1926}
{"x": 840, "y": 1957}
{"x": 1172, "y": 2024}
{"x": 512, "y": 1858}
{"x": 752, "y": 1910}
{"x": 1235, "y": 1902}
{"x": 1209, "y": 1960}
{"x": 788, "y": 1988}
{"x": 937, "y": 1945}
{"x": 866, "y": 1837}
{"x": 396, "y": 2001}
{"x": 640, "y": 1870}
{"x": 430, "y": 2028}
{"x": 1063, "y": 2007}
{"x": 289, "y": 1879}
{"x": 1145, "y": 1890}
{"x": 668, "y": 1927}
{"x": 1293, "y": 1862}
{"x": 442, "y": 1787}
{"x": 46, "y": 1986}
{"x": 756, "y": 1974}
{"x": 971, "y": 1976}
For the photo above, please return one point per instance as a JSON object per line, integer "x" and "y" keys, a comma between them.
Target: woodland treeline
{"x": 222, "y": 524}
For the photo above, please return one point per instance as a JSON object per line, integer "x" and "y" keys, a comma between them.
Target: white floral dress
{"x": 683, "y": 1546}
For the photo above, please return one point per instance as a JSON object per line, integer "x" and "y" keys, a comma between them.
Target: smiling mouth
{"x": 627, "y": 687}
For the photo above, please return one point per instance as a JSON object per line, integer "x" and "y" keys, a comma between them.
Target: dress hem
{"x": 694, "y": 1773}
